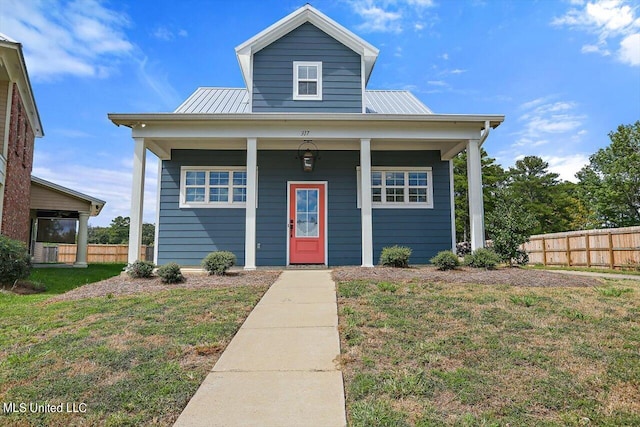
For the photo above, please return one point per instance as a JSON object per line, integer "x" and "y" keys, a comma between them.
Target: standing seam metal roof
{"x": 216, "y": 100}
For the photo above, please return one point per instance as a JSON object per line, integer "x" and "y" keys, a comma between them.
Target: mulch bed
{"x": 124, "y": 285}
{"x": 464, "y": 275}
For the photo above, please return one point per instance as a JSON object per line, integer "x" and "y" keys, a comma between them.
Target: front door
{"x": 307, "y": 223}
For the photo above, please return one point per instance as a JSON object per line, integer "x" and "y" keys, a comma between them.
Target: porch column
{"x": 476, "y": 203}
{"x": 81, "y": 251}
{"x": 250, "y": 227}
{"x": 137, "y": 199}
{"x": 365, "y": 205}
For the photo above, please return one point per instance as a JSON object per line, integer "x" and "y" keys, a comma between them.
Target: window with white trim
{"x": 211, "y": 187}
{"x": 399, "y": 187}
{"x": 307, "y": 80}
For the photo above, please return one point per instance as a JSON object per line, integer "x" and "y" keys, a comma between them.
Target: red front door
{"x": 307, "y": 223}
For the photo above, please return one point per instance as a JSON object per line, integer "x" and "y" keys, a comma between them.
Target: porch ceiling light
{"x": 308, "y": 158}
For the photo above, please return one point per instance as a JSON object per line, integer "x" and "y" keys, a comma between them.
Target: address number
{"x": 305, "y": 133}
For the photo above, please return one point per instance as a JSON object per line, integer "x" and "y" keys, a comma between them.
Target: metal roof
{"x": 215, "y": 100}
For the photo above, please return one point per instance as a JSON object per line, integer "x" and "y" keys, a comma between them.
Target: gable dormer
{"x": 306, "y": 62}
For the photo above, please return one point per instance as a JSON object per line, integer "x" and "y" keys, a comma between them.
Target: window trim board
{"x": 395, "y": 205}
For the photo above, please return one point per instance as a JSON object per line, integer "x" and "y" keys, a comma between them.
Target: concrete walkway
{"x": 281, "y": 367}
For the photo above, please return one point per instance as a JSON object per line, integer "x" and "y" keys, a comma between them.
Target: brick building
{"x": 19, "y": 126}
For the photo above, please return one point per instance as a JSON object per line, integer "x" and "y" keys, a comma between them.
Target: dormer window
{"x": 307, "y": 80}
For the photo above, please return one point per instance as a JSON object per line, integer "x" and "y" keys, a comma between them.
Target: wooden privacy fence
{"x": 101, "y": 253}
{"x": 612, "y": 248}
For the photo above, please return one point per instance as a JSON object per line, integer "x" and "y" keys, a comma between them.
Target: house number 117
{"x": 305, "y": 133}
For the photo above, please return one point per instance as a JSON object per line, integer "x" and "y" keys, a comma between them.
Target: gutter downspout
{"x": 485, "y": 134}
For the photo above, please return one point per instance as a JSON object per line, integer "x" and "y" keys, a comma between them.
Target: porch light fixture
{"x": 309, "y": 157}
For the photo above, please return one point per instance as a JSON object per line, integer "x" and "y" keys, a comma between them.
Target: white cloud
{"x": 567, "y": 166}
{"x": 390, "y": 16}
{"x": 457, "y": 71}
{"x": 79, "y": 37}
{"x": 629, "y": 52}
{"x": 611, "y": 21}
{"x": 437, "y": 83}
{"x": 545, "y": 120}
{"x": 111, "y": 185}
{"x": 164, "y": 33}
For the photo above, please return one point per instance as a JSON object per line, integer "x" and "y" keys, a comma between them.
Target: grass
{"x": 60, "y": 280}
{"x": 133, "y": 360}
{"x": 422, "y": 354}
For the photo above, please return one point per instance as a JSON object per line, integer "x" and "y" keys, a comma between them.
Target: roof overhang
{"x": 448, "y": 133}
{"x": 13, "y": 65}
{"x": 96, "y": 204}
{"x": 307, "y": 13}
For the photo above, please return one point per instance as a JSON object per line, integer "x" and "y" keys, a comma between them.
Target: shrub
{"x": 140, "y": 269}
{"x": 219, "y": 262}
{"x": 15, "y": 263}
{"x": 395, "y": 256}
{"x": 482, "y": 258}
{"x": 445, "y": 260}
{"x": 170, "y": 273}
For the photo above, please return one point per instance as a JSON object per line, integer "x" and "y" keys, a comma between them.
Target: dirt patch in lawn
{"x": 124, "y": 285}
{"x": 465, "y": 275}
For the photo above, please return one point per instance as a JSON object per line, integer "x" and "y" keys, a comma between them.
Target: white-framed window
{"x": 213, "y": 187}
{"x": 399, "y": 187}
{"x": 307, "y": 80}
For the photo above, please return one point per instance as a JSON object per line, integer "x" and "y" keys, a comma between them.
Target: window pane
{"x": 195, "y": 177}
{"x": 239, "y": 178}
{"x": 303, "y": 72}
{"x": 240, "y": 194}
{"x": 307, "y": 88}
{"x": 395, "y": 178}
{"x": 219, "y": 195}
{"x": 376, "y": 178}
{"x": 195, "y": 195}
{"x": 376, "y": 194}
{"x": 395, "y": 195}
{"x": 417, "y": 178}
{"x": 418, "y": 195}
{"x": 218, "y": 178}
{"x": 312, "y": 72}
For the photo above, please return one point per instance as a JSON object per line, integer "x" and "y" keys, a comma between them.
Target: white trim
{"x": 453, "y": 207}
{"x": 366, "y": 214}
{"x": 395, "y": 205}
{"x": 476, "y": 198}
{"x": 326, "y": 217}
{"x": 157, "y": 234}
{"x": 137, "y": 199}
{"x": 296, "y": 79}
{"x": 206, "y": 203}
{"x": 251, "y": 205}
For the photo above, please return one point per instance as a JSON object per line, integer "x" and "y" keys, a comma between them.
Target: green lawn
{"x": 60, "y": 280}
{"x": 424, "y": 354}
{"x": 632, "y": 271}
{"x": 133, "y": 360}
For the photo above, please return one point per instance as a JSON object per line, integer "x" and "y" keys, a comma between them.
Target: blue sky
{"x": 565, "y": 73}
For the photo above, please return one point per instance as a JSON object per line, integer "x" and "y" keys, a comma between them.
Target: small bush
{"x": 395, "y": 256}
{"x": 482, "y": 258}
{"x": 15, "y": 263}
{"x": 170, "y": 273}
{"x": 445, "y": 260}
{"x": 219, "y": 262}
{"x": 140, "y": 269}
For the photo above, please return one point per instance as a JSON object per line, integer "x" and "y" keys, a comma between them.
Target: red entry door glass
{"x": 307, "y": 224}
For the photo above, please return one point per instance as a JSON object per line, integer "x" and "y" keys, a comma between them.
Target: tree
{"x": 610, "y": 183}
{"x": 493, "y": 177}
{"x": 509, "y": 225}
{"x": 148, "y": 234}
{"x": 119, "y": 230}
{"x": 117, "y": 233}
{"x": 542, "y": 194}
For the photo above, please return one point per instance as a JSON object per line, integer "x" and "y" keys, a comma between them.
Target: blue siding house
{"x": 304, "y": 165}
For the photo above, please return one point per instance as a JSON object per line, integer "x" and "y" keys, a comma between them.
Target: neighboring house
{"x": 55, "y": 212}
{"x": 19, "y": 125}
{"x": 304, "y": 165}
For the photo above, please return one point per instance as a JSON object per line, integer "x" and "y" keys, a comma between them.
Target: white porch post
{"x": 137, "y": 199}
{"x": 81, "y": 251}
{"x": 476, "y": 203}
{"x": 365, "y": 206}
{"x": 250, "y": 227}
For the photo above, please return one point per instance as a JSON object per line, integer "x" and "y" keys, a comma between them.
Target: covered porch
{"x": 366, "y": 134}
